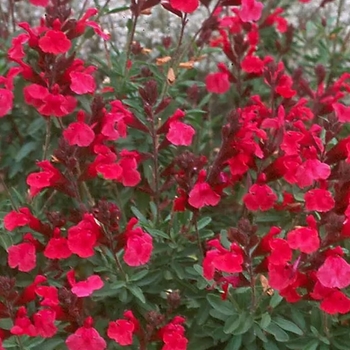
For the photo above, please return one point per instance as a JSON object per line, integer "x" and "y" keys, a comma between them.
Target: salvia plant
{"x": 190, "y": 195}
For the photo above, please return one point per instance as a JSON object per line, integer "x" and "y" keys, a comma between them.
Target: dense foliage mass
{"x": 156, "y": 202}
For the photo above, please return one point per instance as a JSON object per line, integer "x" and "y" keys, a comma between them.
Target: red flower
{"x": 252, "y": 64}
{"x": 280, "y": 252}
{"x": 22, "y": 256}
{"x": 173, "y": 335}
{"x": 260, "y": 197}
{"x": 83, "y": 237}
{"x": 48, "y": 177}
{"x": 251, "y": 10}
{"x": 202, "y": 194}
{"x": 44, "y": 322}
{"x": 114, "y": 125}
{"x": 122, "y": 331}
{"x": 342, "y": 112}
{"x": 139, "y": 245}
{"x": 319, "y": 200}
{"x": 15, "y": 219}
{"x": 42, "y": 3}
{"x": 49, "y": 295}
{"x": 55, "y": 42}
{"x": 306, "y": 239}
{"x": 82, "y": 82}
{"x": 187, "y": 6}
{"x": 336, "y": 302}
{"x": 221, "y": 259}
{"x": 23, "y": 325}
{"x": 86, "y": 337}
{"x": 180, "y": 134}
{"x": 6, "y": 101}
{"x": 83, "y": 22}
{"x": 217, "y": 83}
{"x": 129, "y": 176}
{"x": 310, "y": 171}
{"x": 334, "y": 273}
{"x": 57, "y": 247}
{"x": 84, "y": 288}
{"x": 79, "y": 134}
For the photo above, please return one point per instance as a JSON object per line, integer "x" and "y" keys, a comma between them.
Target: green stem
{"x": 47, "y": 137}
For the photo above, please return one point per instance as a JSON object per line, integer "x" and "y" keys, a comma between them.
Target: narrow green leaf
{"x": 287, "y": 325}
{"x": 156, "y": 233}
{"x": 275, "y": 300}
{"x": 223, "y": 306}
{"x": 232, "y": 323}
{"x": 277, "y": 332}
{"x": 235, "y": 343}
{"x": 311, "y": 345}
{"x": 203, "y": 222}
{"x": 137, "y": 292}
{"x": 265, "y": 320}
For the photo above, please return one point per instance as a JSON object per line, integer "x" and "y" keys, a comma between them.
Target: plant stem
{"x": 47, "y": 137}
{"x": 195, "y": 217}
{"x": 7, "y": 190}
{"x": 154, "y": 136}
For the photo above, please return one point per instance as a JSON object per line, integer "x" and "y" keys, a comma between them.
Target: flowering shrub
{"x": 147, "y": 205}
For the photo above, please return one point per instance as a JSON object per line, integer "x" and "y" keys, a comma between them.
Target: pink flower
{"x": 83, "y": 237}
{"x": 6, "y": 101}
{"x": 173, "y": 335}
{"x": 86, "y": 337}
{"x": 342, "y": 112}
{"x": 319, "y": 200}
{"x": 260, "y": 197}
{"x": 187, "y": 6}
{"x": 219, "y": 258}
{"x": 202, "y": 195}
{"x": 44, "y": 322}
{"x": 84, "y": 288}
{"x": 42, "y": 3}
{"x": 82, "y": 82}
{"x": 79, "y": 134}
{"x": 55, "y": 42}
{"x": 334, "y": 273}
{"x": 139, "y": 245}
{"x": 306, "y": 239}
{"x": 22, "y": 256}
{"x": 180, "y": 134}
{"x": 122, "y": 330}
{"x": 23, "y": 325}
{"x": 217, "y": 83}
{"x": 336, "y": 302}
{"x": 251, "y": 10}
{"x": 57, "y": 247}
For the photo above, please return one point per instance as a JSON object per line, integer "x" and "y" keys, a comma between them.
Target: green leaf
{"x": 265, "y": 320}
{"x": 203, "y": 222}
{"x": 287, "y": 325}
{"x": 137, "y": 292}
{"x": 118, "y": 284}
{"x": 235, "y": 343}
{"x": 277, "y": 332}
{"x": 246, "y": 323}
{"x": 311, "y": 345}
{"x": 232, "y": 323}
{"x": 6, "y": 323}
{"x": 118, "y": 9}
{"x": 259, "y": 333}
{"x": 223, "y": 306}
{"x": 155, "y": 232}
{"x": 275, "y": 300}
{"x": 139, "y": 275}
{"x": 25, "y": 150}
{"x": 139, "y": 215}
